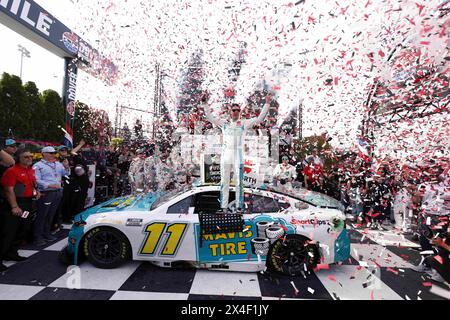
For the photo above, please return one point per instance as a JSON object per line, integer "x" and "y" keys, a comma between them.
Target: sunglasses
{"x": 50, "y": 152}
{"x": 236, "y": 110}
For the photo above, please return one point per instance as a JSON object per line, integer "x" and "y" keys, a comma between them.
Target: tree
{"x": 102, "y": 126}
{"x": 82, "y": 128}
{"x": 36, "y": 114}
{"x": 54, "y": 116}
{"x": 14, "y": 113}
{"x": 91, "y": 125}
{"x": 305, "y": 146}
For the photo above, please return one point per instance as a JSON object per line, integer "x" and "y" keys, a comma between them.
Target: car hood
{"x": 140, "y": 202}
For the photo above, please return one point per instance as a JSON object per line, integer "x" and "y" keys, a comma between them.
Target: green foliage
{"x": 304, "y": 147}
{"x": 32, "y": 115}
{"x": 14, "y": 113}
{"x": 91, "y": 125}
{"x": 54, "y": 116}
{"x": 81, "y": 127}
{"x": 36, "y": 112}
{"x": 116, "y": 142}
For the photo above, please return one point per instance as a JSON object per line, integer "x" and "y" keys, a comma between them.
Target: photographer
{"x": 433, "y": 217}
{"x": 284, "y": 173}
{"x": 75, "y": 186}
{"x": 20, "y": 189}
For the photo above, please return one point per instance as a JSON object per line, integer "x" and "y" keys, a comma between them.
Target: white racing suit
{"x": 233, "y": 133}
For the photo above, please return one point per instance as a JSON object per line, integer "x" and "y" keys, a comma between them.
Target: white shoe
{"x": 421, "y": 268}
{"x": 436, "y": 276}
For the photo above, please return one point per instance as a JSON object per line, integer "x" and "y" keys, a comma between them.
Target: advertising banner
{"x": 69, "y": 94}
{"x": 37, "y": 20}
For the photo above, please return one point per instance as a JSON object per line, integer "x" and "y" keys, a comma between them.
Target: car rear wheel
{"x": 292, "y": 255}
{"x": 106, "y": 248}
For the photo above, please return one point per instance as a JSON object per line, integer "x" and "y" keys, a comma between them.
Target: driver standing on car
{"x": 233, "y": 132}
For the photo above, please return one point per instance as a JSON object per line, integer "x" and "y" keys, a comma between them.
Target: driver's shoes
{"x": 435, "y": 276}
{"x": 421, "y": 268}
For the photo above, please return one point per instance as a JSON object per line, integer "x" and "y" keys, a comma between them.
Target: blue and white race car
{"x": 286, "y": 232}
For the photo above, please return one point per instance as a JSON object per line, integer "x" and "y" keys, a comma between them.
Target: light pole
{"x": 25, "y": 53}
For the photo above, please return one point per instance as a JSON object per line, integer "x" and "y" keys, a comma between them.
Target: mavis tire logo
{"x": 70, "y": 40}
{"x": 71, "y": 108}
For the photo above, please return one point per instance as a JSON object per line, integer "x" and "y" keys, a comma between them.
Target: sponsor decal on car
{"x": 230, "y": 246}
{"x": 314, "y": 222}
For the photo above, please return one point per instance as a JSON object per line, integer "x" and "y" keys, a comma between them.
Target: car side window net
{"x": 209, "y": 202}
{"x": 181, "y": 207}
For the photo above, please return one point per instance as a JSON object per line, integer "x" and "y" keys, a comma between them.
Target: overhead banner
{"x": 37, "y": 20}
{"x": 70, "y": 89}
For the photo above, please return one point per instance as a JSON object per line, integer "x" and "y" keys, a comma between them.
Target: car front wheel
{"x": 106, "y": 248}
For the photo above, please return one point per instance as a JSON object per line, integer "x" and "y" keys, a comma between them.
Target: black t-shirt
{"x": 77, "y": 160}
{"x": 124, "y": 166}
{"x": 2, "y": 171}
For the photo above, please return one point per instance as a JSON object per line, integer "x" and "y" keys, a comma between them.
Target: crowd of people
{"x": 35, "y": 199}
{"x": 410, "y": 200}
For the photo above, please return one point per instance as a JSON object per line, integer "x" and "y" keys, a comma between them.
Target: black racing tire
{"x": 106, "y": 248}
{"x": 290, "y": 255}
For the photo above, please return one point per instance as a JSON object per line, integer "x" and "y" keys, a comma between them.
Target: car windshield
{"x": 169, "y": 195}
{"x": 120, "y": 202}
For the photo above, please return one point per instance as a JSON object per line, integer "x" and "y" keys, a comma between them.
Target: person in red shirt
{"x": 20, "y": 188}
{"x": 313, "y": 172}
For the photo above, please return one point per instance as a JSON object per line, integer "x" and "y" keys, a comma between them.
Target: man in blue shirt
{"x": 49, "y": 173}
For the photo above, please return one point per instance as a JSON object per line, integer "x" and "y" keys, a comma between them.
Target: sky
{"x": 327, "y": 42}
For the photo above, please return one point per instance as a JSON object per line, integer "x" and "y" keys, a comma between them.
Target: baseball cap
{"x": 10, "y": 142}
{"x": 48, "y": 150}
{"x": 63, "y": 148}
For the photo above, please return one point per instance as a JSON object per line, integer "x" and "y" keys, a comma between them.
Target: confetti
{"x": 295, "y": 288}
{"x": 331, "y": 277}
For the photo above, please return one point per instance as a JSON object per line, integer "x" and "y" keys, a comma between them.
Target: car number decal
{"x": 155, "y": 232}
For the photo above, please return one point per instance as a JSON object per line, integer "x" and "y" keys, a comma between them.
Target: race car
{"x": 288, "y": 232}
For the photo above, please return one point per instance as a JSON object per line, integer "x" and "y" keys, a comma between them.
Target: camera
{"x": 283, "y": 181}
